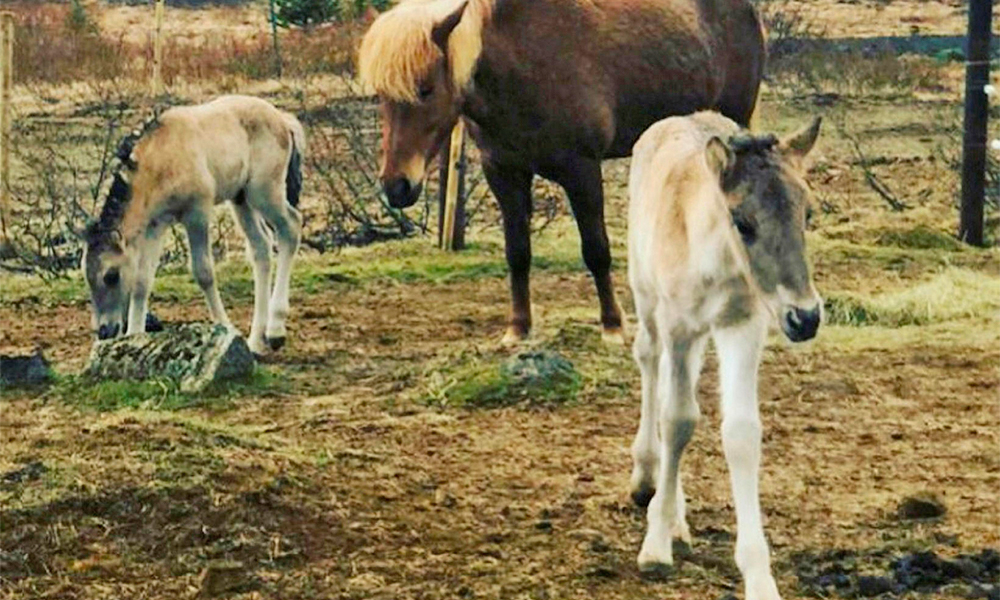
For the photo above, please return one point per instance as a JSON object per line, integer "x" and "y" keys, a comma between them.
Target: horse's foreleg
{"x": 581, "y": 178}
{"x": 149, "y": 249}
{"x": 196, "y": 224}
{"x": 259, "y": 253}
{"x": 512, "y": 188}
{"x": 739, "y": 351}
{"x": 679, "y": 364}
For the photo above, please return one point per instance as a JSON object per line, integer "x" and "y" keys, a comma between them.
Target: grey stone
{"x": 24, "y": 371}
{"x": 195, "y": 355}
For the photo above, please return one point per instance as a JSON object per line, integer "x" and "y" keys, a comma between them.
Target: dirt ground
{"x": 347, "y": 472}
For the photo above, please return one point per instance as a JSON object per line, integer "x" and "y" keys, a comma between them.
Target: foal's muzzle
{"x": 401, "y": 193}
{"x": 108, "y": 331}
{"x": 801, "y": 324}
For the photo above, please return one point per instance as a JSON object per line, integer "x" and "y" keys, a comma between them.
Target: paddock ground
{"x": 347, "y": 469}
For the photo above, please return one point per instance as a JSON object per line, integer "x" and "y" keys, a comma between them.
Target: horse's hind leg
{"x": 645, "y": 447}
{"x": 581, "y": 178}
{"x": 259, "y": 252}
{"x": 512, "y": 187}
{"x": 287, "y": 224}
{"x": 196, "y": 224}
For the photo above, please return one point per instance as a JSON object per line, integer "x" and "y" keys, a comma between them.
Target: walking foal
{"x": 716, "y": 250}
{"x": 235, "y": 148}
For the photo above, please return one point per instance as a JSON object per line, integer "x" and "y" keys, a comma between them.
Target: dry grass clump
{"x": 58, "y": 43}
{"x": 952, "y": 294}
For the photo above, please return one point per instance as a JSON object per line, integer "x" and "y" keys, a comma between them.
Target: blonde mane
{"x": 398, "y": 53}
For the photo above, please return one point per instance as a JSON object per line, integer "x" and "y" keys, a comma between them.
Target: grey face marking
{"x": 105, "y": 264}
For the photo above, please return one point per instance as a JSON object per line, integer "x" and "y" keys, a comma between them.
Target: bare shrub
{"x": 60, "y": 167}
{"x": 343, "y": 160}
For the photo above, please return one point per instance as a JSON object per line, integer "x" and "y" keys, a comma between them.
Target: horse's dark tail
{"x": 293, "y": 179}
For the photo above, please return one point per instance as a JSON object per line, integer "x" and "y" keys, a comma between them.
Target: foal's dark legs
{"x": 581, "y": 178}
{"x": 512, "y": 188}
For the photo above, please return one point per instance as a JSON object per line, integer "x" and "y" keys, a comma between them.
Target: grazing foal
{"x": 716, "y": 249}
{"x": 235, "y": 148}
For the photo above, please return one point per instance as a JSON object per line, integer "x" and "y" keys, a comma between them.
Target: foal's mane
{"x": 120, "y": 192}
{"x": 398, "y": 53}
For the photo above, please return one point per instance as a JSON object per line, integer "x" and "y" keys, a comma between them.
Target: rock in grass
{"x": 24, "y": 371}
{"x": 222, "y": 576}
{"x": 924, "y": 505}
{"x": 195, "y": 355}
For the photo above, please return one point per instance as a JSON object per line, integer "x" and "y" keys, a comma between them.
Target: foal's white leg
{"x": 196, "y": 224}
{"x": 679, "y": 364}
{"x": 259, "y": 253}
{"x": 645, "y": 447}
{"x": 149, "y": 248}
{"x": 287, "y": 224}
{"x": 739, "y": 351}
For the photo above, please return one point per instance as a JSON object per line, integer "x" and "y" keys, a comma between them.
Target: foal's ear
{"x": 442, "y": 31}
{"x": 800, "y": 143}
{"x": 720, "y": 158}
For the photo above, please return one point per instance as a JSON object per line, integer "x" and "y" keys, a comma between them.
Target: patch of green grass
{"x": 949, "y": 295}
{"x": 161, "y": 394}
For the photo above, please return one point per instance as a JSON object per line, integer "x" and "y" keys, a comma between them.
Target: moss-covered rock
{"x": 538, "y": 376}
{"x": 195, "y": 354}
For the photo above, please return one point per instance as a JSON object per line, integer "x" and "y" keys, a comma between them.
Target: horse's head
{"x": 107, "y": 265}
{"x": 419, "y": 70}
{"x": 769, "y": 201}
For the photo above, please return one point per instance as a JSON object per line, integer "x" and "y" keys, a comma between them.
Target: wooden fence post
{"x": 450, "y": 184}
{"x": 273, "y": 18}
{"x": 6, "y": 82}
{"x": 977, "y": 76}
{"x": 157, "y": 81}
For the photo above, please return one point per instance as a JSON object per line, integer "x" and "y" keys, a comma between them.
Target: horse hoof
{"x": 513, "y": 336}
{"x": 643, "y": 496}
{"x": 655, "y": 569}
{"x": 276, "y": 343}
{"x": 613, "y": 336}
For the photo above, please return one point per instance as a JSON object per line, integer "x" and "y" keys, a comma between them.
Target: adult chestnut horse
{"x": 551, "y": 88}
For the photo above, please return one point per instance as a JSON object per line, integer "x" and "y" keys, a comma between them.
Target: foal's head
{"x": 769, "y": 201}
{"x": 419, "y": 58}
{"x": 106, "y": 264}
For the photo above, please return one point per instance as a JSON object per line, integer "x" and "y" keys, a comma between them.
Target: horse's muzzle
{"x": 800, "y": 324}
{"x": 108, "y": 331}
{"x": 400, "y": 193}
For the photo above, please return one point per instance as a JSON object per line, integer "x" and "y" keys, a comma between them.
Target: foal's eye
{"x": 809, "y": 215}
{"x": 425, "y": 91}
{"x": 747, "y": 231}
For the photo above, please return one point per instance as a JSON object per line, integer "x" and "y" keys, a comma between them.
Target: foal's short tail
{"x": 293, "y": 178}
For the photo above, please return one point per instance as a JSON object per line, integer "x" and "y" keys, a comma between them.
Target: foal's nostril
{"x": 802, "y": 324}
{"x": 107, "y": 331}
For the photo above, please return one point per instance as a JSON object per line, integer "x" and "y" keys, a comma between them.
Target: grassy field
{"x": 361, "y": 463}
